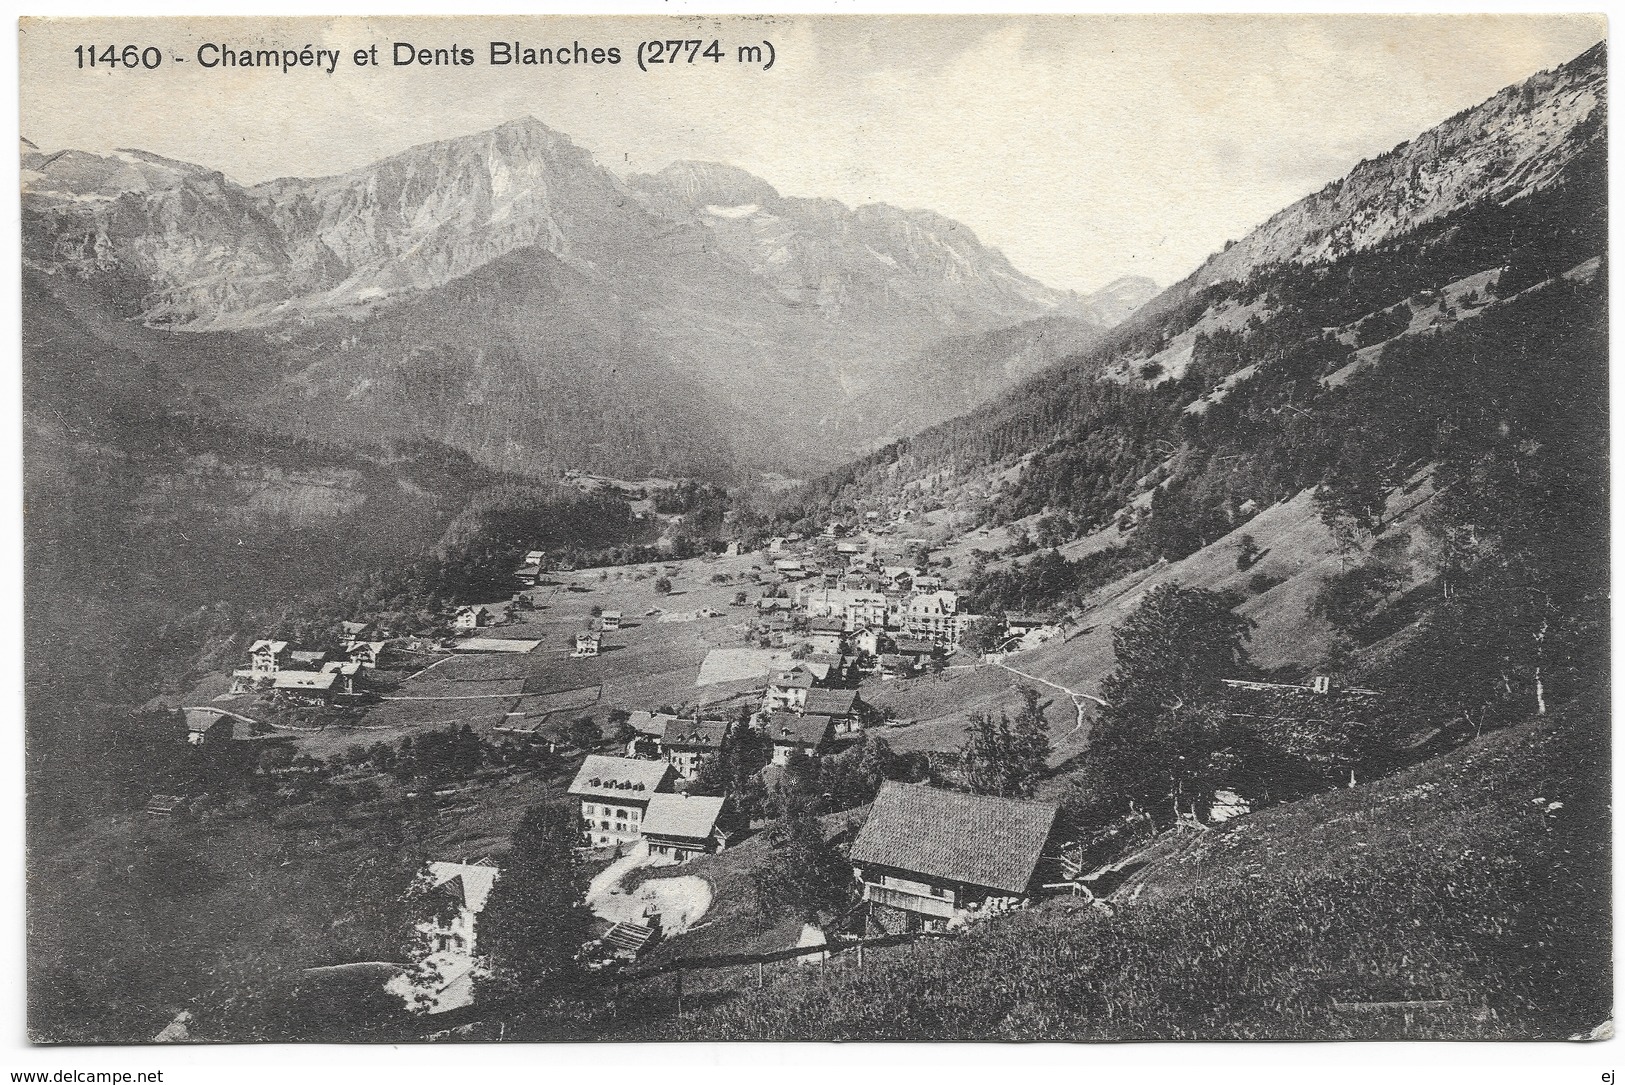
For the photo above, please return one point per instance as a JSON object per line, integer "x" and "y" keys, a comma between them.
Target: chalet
{"x": 788, "y": 688}
{"x": 648, "y": 734}
{"x": 353, "y": 631}
{"x": 929, "y": 858}
{"x": 898, "y": 577}
{"x": 349, "y": 672}
{"x": 471, "y": 617}
{"x": 683, "y": 826}
{"x": 614, "y": 793}
{"x": 835, "y": 529}
{"x": 792, "y": 568}
{"x": 266, "y": 657}
{"x": 791, "y": 733}
{"x": 688, "y": 742}
{"x": 868, "y": 641}
{"x": 825, "y": 635}
{"x": 849, "y": 547}
{"x": 368, "y": 653}
{"x": 928, "y": 582}
{"x": 772, "y": 605}
{"x": 588, "y": 643}
{"x": 306, "y": 661}
{"x": 456, "y": 895}
{"x": 305, "y": 687}
{"x": 841, "y": 707}
{"x": 776, "y": 544}
{"x": 529, "y": 573}
{"x": 610, "y": 620}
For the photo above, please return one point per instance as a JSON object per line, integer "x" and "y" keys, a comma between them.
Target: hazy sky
{"x": 1085, "y": 147}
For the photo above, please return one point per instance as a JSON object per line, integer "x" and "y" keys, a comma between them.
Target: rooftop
{"x": 975, "y": 840}
{"x": 690, "y": 816}
{"x": 830, "y": 702}
{"x": 601, "y": 776}
{"x": 473, "y": 880}
{"x": 706, "y": 733}
{"x": 316, "y": 680}
{"x": 788, "y": 728}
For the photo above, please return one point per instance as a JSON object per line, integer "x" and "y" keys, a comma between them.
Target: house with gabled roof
{"x": 266, "y": 657}
{"x": 683, "y": 826}
{"x": 348, "y": 682}
{"x": 825, "y": 635}
{"x": 689, "y": 742}
{"x": 471, "y": 617}
{"x": 929, "y": 858}
{"x": 648, "y": 734}
{"x": 610, "y": 620}
{"x": 365, "y": 652}
{"x": 305, "y": 687}
{"x": 791, "y": 733}
{"x": 788, "y": 688}
{"x": 841, "y": 707}
{"x": 455, "y": 896}
{"x": 614, "y": 792}
{"x": 588, "y": 643}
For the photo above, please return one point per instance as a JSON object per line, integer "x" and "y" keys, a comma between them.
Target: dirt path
{"x": 681, "y": 902}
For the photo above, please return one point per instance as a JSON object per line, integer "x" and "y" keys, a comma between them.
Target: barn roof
{"x": 830, "y": 702}
{"x": 692, "y": 817}
{"x": 976, "y": 840}
{"x": 789, "y": 729}
{"x": 317, "y": 680}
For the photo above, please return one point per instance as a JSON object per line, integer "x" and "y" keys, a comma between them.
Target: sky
{"x": 1084, "y": 147}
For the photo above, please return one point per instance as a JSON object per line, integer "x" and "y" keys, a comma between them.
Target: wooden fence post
{"x": 679, "y": 986}
{"x": 860, "y": 956}
{"x": 758, "y": 975}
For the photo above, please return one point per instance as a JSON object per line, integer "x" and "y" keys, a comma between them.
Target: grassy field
{"x": 1478, "y": 881}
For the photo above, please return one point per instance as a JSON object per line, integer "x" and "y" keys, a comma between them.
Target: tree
{"x": 534, "y": 921}
{"x": 1352, "y": 499}
{"x": 663, "y": 585}
{"x": 1162, "y": 738}
{"x": 804, "y": 873}
{"x": 982, "y": 636}
{"x": 1247, "y": 553}
{"x": 1001, "y": 757}
{"x": 1174, "y": 649}
{"x": 584, "y": 733}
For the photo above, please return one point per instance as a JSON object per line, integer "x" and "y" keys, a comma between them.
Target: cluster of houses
{"x": 298, "y": 677}
{"x": 627, "y": 799}
{"x": 859, "y": 614}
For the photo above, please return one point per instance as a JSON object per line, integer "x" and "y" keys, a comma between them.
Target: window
{"x": 938, "y": 891}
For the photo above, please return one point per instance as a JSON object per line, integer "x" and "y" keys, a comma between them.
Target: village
{"x": 635, "y": 680}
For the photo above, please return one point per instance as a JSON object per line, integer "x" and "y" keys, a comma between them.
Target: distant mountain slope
{"x": 738, "y": 326}
{"x": 1516, "y": 143}
{"x": 1242, "y": 360}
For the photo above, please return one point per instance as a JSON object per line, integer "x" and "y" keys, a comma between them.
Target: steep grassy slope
{"x": 1478, "y": 880}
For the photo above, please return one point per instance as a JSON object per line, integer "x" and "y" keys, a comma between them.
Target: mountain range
{"x": 505, "y": 295}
